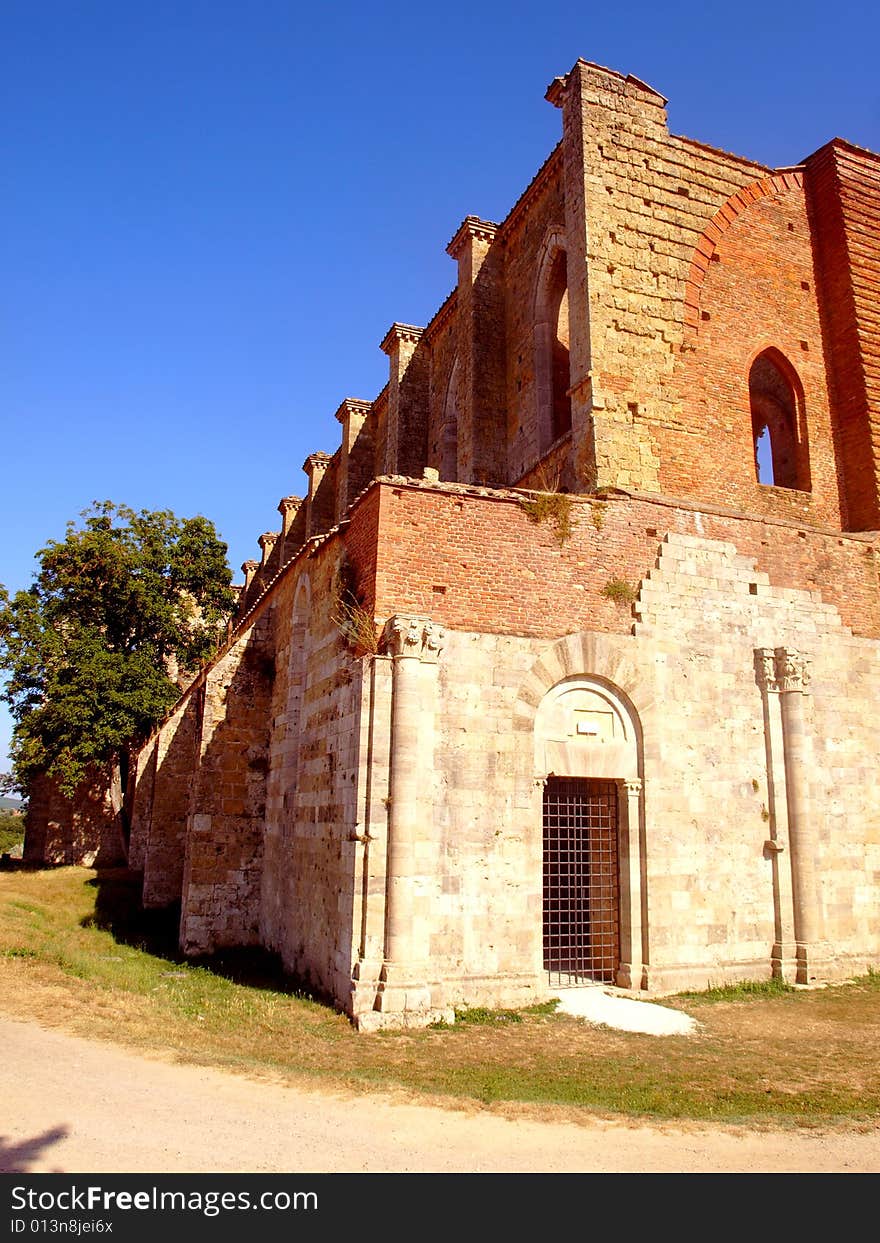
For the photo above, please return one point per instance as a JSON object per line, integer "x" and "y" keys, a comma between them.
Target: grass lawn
{"x": 74, "y": 954}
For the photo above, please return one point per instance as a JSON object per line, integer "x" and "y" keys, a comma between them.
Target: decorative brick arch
{"x": 764, "y": 187}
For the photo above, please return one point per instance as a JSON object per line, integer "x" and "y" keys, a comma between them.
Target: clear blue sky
{"x": 210, "y": 213}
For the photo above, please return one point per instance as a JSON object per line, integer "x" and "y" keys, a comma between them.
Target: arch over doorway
{"x": 588, "y": 755}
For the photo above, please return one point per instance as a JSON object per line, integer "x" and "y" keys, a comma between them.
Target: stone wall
{"x": 83, "y": 828}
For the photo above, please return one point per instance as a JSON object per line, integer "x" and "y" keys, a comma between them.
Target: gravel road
{"x": 81, "y": 1106}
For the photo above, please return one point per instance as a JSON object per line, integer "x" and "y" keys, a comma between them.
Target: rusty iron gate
{"x": 581, "y": 881}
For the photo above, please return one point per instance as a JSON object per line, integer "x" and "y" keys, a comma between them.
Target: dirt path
{"x": 74, "y": 1105}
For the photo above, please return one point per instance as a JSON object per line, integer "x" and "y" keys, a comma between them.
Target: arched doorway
{"x": 588, "y": 753}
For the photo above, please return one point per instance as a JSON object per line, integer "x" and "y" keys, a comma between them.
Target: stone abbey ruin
{"x": 565, "y": 666}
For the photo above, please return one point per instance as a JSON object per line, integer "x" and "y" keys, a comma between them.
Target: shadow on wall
{"x": 119, "y": 911}
{"x": 19, "y": 1158}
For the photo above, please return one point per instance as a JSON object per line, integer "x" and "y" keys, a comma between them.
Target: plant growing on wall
{"x": 552, "y": 507}
{"x": 350, "y": 616}
{"x": 90, "y": 650}
{"x": 620, "y": 591}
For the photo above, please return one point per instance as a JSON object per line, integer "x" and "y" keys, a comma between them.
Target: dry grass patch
{"x": 74, "y": 954}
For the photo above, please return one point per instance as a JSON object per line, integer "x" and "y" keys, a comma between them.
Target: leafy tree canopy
{"x": 91, "y": 649}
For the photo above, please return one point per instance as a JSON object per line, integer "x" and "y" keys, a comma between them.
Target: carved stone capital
{"x": 765, "y": 668}
{"x": 435, "y": 638}
{"x": 632, "y": 788}
{"x": 792, "y": 670}
{"x": 403, "y": 636}
{"x": 782, "y": 669}
{"x": 414, "y": 637}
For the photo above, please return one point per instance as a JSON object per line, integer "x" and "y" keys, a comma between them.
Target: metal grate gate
{"x": 581, "y": 883}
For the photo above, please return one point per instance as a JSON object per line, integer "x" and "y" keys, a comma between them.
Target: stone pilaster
{"x": 785, "y": 672}
{"x": 405, "y": 991}
{"x": 288, "y": 508}
{"x": 267, "y": 543}
{"x": 249, "y": 569}
{"x": 599, "y": 107}
{"x": 631, "y": 973}
{"x": 355, "y": 453}
{"x": 315, "y": 467}
{"x": 406, "y": 442}
{"x": 482, "y": 451}
{"x": 783, "y": 957}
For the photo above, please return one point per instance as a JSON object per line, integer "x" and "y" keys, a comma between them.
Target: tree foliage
{"x": 90, "y": 649}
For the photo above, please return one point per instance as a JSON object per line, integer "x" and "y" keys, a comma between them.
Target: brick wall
{"x": 475, "y": 561}
{"x": 843, "y": 186}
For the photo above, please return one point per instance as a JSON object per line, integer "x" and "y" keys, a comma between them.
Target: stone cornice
{"x": 471, "y": 226}
{"x": 288, "y": 503}
{"x": 442, "y": 316}
{"x": 353, "y": 406}
{"x": 398, "y": 333}
{"x": 316, "y": 461}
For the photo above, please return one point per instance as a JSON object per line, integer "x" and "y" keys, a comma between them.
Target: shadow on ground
{"x": 119, "y": 911}
{"x": 18, "y": 1158}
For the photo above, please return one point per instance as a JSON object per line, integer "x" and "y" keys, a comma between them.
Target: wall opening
{"x": 776, "y": 402}
{"x": 552, "y": 345}
{"x": 581, "y": 888}
{"x": 448, "y": 449}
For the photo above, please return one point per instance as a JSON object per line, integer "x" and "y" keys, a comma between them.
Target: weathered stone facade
{"x": 681, "y": 347}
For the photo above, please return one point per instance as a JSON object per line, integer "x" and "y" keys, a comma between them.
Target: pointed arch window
{"x": 778, "y": 423}
{"x": 552, "y": 344}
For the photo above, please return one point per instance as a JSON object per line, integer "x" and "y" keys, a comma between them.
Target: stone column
{"x": 783, "y": 957}
{"x": 403, "y": 988}
{"x": 793, "y": 680}
{"x": 631, "y": 971}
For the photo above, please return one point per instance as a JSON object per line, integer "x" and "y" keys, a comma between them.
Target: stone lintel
{"x": 398, "y": 334}
{"x": 471, "y": 227}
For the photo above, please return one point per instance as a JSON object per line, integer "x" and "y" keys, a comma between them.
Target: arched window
{"x": 776, "y": 401}
{"x": 552, "y": 370}
{"x": 449, "y": 428}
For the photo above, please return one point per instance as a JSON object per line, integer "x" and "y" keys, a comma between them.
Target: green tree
{"x": 91, "y": 649}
